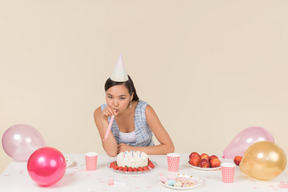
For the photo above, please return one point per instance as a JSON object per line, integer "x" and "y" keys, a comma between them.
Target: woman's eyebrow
{"x": 118, "y": 96}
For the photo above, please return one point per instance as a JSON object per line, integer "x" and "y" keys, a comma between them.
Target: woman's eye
{"x": 110, "y": 97}
{"x": 122, "y": 98}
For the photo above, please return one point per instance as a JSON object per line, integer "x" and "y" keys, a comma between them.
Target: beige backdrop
{"x": 209, "y": 68}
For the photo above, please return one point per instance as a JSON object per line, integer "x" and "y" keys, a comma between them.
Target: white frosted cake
{"x": 132, "y": 159}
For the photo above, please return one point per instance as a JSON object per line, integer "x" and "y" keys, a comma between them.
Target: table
{"x": 15, "y": 178}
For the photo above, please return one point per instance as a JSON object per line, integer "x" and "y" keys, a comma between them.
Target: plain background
{"x": 209, "y": 68}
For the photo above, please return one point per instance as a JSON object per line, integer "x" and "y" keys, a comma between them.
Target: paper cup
{"x": 173, "y": 162}
{"x": 91, "y": 161}
{"x": 228, "y": 170}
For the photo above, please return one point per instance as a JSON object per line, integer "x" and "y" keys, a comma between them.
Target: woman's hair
{"x": 129, "y": 84}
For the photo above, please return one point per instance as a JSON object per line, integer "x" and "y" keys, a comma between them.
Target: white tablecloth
{"x": 15, "y": 178}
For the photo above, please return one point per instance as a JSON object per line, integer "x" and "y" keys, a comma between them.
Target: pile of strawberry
{"x": 114, "y": 166}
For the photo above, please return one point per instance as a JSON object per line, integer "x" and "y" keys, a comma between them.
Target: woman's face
{"x": 118, "y": 97}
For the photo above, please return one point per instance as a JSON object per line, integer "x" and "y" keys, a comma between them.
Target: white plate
{"x": 69, "y": 162}
{"x": 196, "y": 180}
{"x": 127, "y": 172}
{"x": 204, "y": 169}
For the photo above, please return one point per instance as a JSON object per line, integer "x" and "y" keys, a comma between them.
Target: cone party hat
{"x": 119, "y": 74}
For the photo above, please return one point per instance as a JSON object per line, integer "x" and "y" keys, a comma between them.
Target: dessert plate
{"x": 128, "y": 172}
{"x": 205, "y": 169}
{"x": 195, "y": 180}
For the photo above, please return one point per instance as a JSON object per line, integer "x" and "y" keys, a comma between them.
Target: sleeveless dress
{"x": 142, "y": 130}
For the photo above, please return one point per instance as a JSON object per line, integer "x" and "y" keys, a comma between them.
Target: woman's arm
{"x": 101, "y": 121}
{"x": 166, "y": 145}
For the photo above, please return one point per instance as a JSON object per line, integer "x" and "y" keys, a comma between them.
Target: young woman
{"x": 134, "y": 124}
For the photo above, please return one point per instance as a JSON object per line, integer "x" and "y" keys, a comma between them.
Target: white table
{"x": 15, "y": 178}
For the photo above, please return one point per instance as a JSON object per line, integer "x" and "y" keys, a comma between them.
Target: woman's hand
{"x": 123, "y": 147}
{"x": 108, "y": 112}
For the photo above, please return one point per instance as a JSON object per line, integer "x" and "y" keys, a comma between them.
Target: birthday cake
{"x": 132, "y": 159}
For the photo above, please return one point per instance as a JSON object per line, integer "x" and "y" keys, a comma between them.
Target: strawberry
{"x": 130, "y": 169}
{"x": 112, "y": 164}
{"x": 140, "y": 169}
{"x": 125, "y": 169}
{"x": 146, "y": 168}
{"x": 120, "y": 168}
{"x": 115, "y": 167}
{"x": 135, "y": 169}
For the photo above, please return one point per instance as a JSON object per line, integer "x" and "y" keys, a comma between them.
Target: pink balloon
{"x": 20, "y": 141}
{"x": 46, "y": 166}
{"x": 244, "y": 139}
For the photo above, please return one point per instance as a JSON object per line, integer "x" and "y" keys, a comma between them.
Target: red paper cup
{"x": 91, "y": 161}
{"x": 173, "y": 162}
{"x": 228, "y": 170}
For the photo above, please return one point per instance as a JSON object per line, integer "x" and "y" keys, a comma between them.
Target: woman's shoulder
{"x": 142, "y": 104}
{"x": 97, "y": 111}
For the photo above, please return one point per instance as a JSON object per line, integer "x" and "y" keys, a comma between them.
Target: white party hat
{"x": 119, "y": 74}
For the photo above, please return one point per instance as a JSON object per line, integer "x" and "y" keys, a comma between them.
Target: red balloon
{"x": 46, "y": 166}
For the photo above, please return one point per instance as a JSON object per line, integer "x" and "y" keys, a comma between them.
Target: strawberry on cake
{"x": 132, "y": 161}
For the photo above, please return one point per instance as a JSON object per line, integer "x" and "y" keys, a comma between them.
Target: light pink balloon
{"x": 46, "y": 166}
{"x": 20, "y": 141}
{"x": 244, "y": 139}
